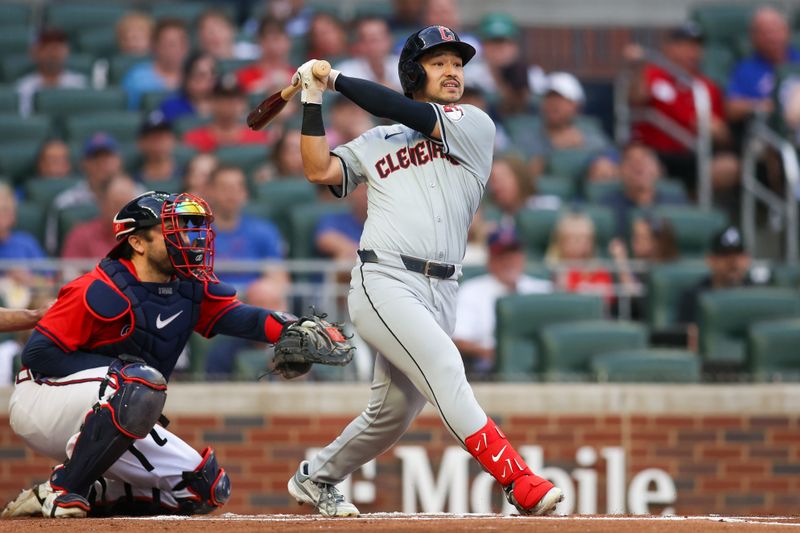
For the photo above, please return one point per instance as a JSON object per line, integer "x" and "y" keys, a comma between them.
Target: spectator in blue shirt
{"x": 338, "y": 234}
{"x": 18, "y": 245}
{"x": 194, "y": 97}
{"x": 239, "y": 236}
{"x": 753, "y": 78}
{"x": 164, "y": 72}
{"x": 639, "y": 173}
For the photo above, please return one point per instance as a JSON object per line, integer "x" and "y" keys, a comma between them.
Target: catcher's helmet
{"x": 186, "y": 228}
{"x": 412, "y": 75}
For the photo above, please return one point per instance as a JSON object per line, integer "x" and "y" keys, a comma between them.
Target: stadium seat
{"x": 42, "y": 191}
{"x": 534, "y": 227}
{"x": 520, "y": 318}
{"x": 175, "y": 185}
{"x": 249, "y": 364}
{"x": 14, "y": 15}
{"x": 555, "y": 186}
{"x": 9, "y": 101}
{"x": 647, "y": 366}
{"x": 596, "y": 191}
{"x": 69, "y": 218}
{"x": 18, "y": 160}
{"x": 30, "y": 218}
{"x": 717, "y": 62}
{"x": 74, "y": 17}
{"x": 61, "y": 103}
{"x": 304, "y": 219}
{"x": 248, "y": 157}
{"x": 665, "y": 287}
{"x": 151, "y": 100}
{"x": 99, "y": 42}
{"x": 226, "y": 66}
{"x": 189, "y": 11}
{"x": 120, "y": 64}
{"x": 15, "y": 39}
{"x": 694, "y": 227}
{"x": 570, "y": 163}
{"x": 471, "y": 271}
{"x": 772, "y": 350}
{"x": 604, "y": 225}
{"x": 188, "y": 123}
{"x": 568, "y": 347}
{"x": 122, "y": 125}
{"x": 726, "y": 315}
{"x": 15, "y": 66}
{"x": 723, "y": 23}
{"x": 34, "y": 129}
{"x": 786, "y": 276}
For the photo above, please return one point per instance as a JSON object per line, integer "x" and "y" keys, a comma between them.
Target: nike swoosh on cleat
{"x": 160, "y": 324}
{"x": 496, "y": 458}
{"x": 392, "y": 134}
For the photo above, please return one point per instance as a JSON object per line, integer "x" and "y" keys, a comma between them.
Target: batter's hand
{"x": 312, "y": 86}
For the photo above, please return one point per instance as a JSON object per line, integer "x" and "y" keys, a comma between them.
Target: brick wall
{"x": 748, "y": 464}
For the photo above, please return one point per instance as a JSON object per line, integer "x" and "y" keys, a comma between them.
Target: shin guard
{"x": 493, "y": 451}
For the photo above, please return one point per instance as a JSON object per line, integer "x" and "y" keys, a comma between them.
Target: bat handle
{"x": 320, "y": 69}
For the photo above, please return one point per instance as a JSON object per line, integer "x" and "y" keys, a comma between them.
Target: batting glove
{"x": 312, "y": 86}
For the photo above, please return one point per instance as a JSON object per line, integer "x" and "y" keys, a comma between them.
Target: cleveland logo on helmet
{"x": 412, "y": 75}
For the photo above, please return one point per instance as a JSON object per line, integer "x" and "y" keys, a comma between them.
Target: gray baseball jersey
{"x": 422, "y": 193}
{"x": 422, "y": 196}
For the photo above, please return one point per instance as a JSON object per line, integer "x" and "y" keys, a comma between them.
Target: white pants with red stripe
{"x": 48, "y": 414}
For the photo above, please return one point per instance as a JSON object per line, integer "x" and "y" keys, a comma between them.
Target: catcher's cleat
{"x": 533, "y": 495}
{"x": 65, "y": 505}
{"x": 28, "y": 503}
{"x": 324, "y": 496}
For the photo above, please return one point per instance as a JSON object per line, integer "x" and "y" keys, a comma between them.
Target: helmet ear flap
{"x": 414, "y": 74}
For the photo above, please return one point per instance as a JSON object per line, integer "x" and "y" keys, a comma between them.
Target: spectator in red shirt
{"x": 658, "y": 90}
{"x": 227, "y": 127}
{"x": 94, "y": 238}
{"x": 272, "y": 71}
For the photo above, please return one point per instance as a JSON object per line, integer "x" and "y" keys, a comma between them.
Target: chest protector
{"x": 164, "y": 316}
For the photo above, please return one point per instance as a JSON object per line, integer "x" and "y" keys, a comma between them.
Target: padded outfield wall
{"x": 694, "y": 449}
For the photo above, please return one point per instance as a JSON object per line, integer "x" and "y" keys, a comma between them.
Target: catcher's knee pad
{"x": 209, "y": 484}
{"x": 113, "y": 424}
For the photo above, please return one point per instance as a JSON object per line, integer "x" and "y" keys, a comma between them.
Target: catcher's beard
{"x": 162, "y": 264}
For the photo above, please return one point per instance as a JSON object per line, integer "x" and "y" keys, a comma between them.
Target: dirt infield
{"x": 397, "y": 522}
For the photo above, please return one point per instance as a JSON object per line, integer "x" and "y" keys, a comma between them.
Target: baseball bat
{"x": 268, "y": 109}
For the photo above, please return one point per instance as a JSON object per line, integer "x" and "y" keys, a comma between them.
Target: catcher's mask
{"x": 185, "y": 224}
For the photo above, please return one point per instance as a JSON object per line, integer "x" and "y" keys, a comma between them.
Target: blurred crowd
{"x": 567, "y": 209}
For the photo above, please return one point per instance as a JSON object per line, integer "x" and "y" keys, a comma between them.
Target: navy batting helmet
{"x": 412, "y": 75}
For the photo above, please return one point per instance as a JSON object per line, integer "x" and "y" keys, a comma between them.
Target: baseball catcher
{"x": 96, "y": 369}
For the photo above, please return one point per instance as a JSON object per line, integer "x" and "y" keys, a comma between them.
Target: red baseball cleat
{"x": 533, "y": 495}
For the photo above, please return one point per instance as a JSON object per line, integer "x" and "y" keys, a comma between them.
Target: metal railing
{"x": 699, "y": 142}
{"x": 782, "y": 208}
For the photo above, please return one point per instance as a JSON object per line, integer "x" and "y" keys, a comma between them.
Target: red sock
{"x": 492, "y": 450}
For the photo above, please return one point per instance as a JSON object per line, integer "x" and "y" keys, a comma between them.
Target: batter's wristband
{"x": 312, "y": 121}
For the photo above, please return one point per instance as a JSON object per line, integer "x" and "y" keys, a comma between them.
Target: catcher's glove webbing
{"x": 311, "y": 339}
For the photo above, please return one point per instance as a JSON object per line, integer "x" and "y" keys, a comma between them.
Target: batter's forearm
{"x": 18, "y": 319}
{"x": 318, "y": 165}
{"x": 386, "y": 103}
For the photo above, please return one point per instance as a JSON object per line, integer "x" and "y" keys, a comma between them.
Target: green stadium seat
{"x": 471, "y": 271}
{"x": 175, "y": 185}
{"x": 18, "y": 160}
{"x": 285, "y": 194}
{"x": 61, "y": 103}
{"x": 694, "y": 227}
{"x": 30, "y": 218}
{"x": 597, "y": 190}
{"x": 786, "y": 276}
{"x": 119, "y": 65}
{"x": 75, "y": 17}
{"x": 14, "y": 66}
{"x": 304, "y": 219}
{"x": 604, "y": 225}
{"x": 647, "y": 366}
{"x": 152, "y": 100}
{"x": 9, "y": 101}
{"x": 665, "y": 287}
{"x": 190, "y": 122}
{"x": 189, "y": 11}
{"x": 534, "y": 228}
{"x": 570, "y": 163}
{"x": 249, "y": 364}
{"x": 183, "y": 154}
{"x": 15, "y": 39}
{"x": 568, "y": 347}
{"x": 248, "y": 157}
{"x": 717, "y": 63}
{"x": 226, "y": 66}
{"x": 99, "y": 42}
{"x": 15, "y": 15}
{"x": 520, "y": 318}
{"x": 69, "y": 218}
{"x": 555, "y": 186}
{"x": 723, "y": 23}
{"x": 122, "y": 125}
{"x": 14, "y": 128}
{"x": 772, "y": 350}
{"x": 42, "y": 191}
{"x": 726, "y": 315}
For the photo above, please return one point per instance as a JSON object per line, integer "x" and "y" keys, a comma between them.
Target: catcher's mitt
{"x": 311, "y": 339}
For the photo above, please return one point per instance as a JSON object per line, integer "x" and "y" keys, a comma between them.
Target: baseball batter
{"x": 425, "y": 177}
{"x": 97, "y": 365}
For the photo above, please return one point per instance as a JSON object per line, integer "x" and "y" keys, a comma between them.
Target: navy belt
{"x": 432, "y": 269}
